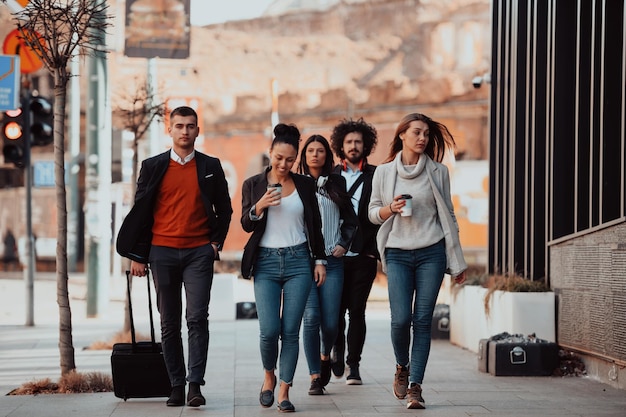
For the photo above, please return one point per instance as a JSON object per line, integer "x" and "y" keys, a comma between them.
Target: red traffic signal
{"x": 13, "y": 141}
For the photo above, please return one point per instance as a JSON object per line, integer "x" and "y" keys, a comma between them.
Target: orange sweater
{"x": 180, "y": 220}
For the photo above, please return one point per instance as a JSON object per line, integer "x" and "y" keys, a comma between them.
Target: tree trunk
{"x": 66, "y": 346}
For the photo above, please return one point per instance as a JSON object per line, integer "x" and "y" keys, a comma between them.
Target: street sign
{"x": 9, "y": 82}
{"x": 14, "y": 45}
{"x": 43, "y": 174}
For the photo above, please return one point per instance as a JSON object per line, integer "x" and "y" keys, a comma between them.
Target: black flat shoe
{"x": 316, "y": 387}
{"x": 337, "y": 363}
{"x": 266, "y": 398}
{"x": 286, "y": 407}
{"x": 325, "y": 372}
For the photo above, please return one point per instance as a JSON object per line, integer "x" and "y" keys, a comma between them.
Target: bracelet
{"x": 391, "y": 210}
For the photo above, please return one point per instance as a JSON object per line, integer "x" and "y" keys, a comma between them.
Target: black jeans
{"x": 171, "y": 268}
{"x": 359, "y": 274}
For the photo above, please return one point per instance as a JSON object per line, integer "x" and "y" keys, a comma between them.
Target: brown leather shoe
{"x": 415, "y": 400}
{"x": 401, "y": 382}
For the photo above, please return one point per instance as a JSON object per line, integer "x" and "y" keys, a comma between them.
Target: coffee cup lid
{"x": 406, "y": 196}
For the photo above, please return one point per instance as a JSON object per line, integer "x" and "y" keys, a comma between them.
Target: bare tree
{"x": 136, "y": 112}
{"x": 55, "y": 30}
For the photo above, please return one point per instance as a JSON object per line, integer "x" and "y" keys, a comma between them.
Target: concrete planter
{"x": 512, "y": 312}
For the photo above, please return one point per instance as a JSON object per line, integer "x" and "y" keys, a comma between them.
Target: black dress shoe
{"x": 177, "y": 397}
{"x": 266, "y": 398}
{"x": 194, "y": 396}
{"x": 286, "y": 407}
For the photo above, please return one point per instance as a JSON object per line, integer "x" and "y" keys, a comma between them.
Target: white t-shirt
{"x": 285, "y": 223}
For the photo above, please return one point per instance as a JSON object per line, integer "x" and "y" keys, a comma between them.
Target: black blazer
{"x": 135, "y": 236}
{"x": 365, "y": 239}
{"x": 252, "y": 190}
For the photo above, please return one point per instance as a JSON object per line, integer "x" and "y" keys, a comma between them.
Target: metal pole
{"x": 274, "y": 118}
{"x": 29, "y": 272}
{"x": 98, "y": 183}
{"x": 73, "y": 224}
{"x": 155, "y": 142}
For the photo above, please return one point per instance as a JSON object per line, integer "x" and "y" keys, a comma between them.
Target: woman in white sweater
{"x": 417, "y": 246}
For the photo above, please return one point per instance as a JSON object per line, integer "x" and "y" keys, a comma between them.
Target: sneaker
{"x": 325, "y": 372}
{"x": 401, "y": 382}
{"x": 354, "y": 378}
{"x": 415, "y": 400}
{"x": 316, "y": 387}
{"x": 338, "y": 365}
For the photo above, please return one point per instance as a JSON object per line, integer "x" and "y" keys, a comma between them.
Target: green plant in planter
{"x": 512, "y": 283}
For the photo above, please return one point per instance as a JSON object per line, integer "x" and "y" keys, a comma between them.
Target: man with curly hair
{"x": 353, "y": 141}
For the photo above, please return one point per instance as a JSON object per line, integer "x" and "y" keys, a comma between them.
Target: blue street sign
{"x": 9, "y": 82}
{"x": 43, "y": 174}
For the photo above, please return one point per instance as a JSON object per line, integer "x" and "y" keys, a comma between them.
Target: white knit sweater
{"x": 383, "y": 192}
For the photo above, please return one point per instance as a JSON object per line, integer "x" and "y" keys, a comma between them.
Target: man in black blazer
{"x": 353, "y": 141}
{"x": 177, "y": 226}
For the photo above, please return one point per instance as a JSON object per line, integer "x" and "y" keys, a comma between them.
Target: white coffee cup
{"x": 276, "y": 188}
{"x": 407, "y": 210}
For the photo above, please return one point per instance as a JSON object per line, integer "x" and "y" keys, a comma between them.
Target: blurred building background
{"x": 311, "y": 63}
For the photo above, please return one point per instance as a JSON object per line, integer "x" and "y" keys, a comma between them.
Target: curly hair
{"x": 439, "y": 138}
{"x": 370, "y": 136}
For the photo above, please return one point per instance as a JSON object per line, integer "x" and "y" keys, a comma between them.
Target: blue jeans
{"x": 414, "y": 280}
{"x": 171, "y": 268}
{"x": 322, "y": 315}
{"x": 281, "y": 274}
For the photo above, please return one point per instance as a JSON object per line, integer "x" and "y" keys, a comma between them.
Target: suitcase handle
{"x": 517, "y": 355}
{"x": 130, "y": 313}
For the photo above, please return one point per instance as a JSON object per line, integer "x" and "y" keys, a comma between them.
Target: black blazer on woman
{"x": 135, "y": 236}
{"x": 252, "y": 190}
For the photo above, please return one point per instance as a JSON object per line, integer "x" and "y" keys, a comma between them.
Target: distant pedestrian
{"x": 339, "y": 225}
{"x": 285, "y": 255}
{"x": 178, "y": 225}
{"x": 10, "y": 258}
{"x": 418, "y": 241}
{"x": 353, "y": 141}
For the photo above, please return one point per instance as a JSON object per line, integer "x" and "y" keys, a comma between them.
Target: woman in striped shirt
{"x": 339, "y": 224}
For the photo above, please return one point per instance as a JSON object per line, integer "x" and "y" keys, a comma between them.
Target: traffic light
{"x": 13, "y": 137}
{"x": 42, "y": 118}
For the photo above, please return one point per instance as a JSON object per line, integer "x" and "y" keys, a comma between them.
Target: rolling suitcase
{"x": 483, "y": 355}
{"x": 522, "y": 357}
{"x": 138, "y": 368}
{"x": 441, "y": 322}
